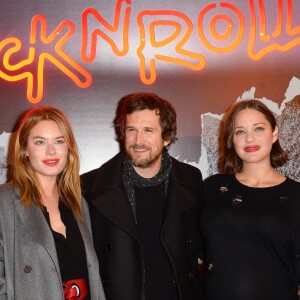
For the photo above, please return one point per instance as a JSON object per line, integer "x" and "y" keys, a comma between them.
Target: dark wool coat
{"x": 116, "y": 239}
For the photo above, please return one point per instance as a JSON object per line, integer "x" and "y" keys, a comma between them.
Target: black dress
{"x": 251, "y": 240}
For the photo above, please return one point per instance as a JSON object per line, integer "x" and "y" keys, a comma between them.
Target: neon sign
{"x": 155, "y": 43}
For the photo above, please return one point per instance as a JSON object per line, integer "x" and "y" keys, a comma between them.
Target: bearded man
{"x": 144, "y": 207}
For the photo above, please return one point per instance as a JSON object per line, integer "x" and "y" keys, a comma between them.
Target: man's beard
{"x": 143, "y": 163}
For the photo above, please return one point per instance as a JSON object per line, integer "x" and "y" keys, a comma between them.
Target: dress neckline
{"x": 261, "y": 188}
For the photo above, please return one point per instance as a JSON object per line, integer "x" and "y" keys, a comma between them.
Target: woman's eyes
{"x": 259, "y": 129}
{"x": 239, "y": 132}
{"x": 60, "y": 141}
{"x": 42, "y": 142}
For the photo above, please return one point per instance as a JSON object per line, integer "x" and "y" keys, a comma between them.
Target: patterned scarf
{"x": 131, "y": 178}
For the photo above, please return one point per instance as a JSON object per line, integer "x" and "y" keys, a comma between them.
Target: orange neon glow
{"x": 115, "y": 29}
{"x": 175, "y": 42}
{"x": 164, "y": 36}
{"x": 263, "y": 35}
{"x": 279, "y": 19}
{"x": 239, "y": 36}
{"x": 228, "y": 31}
{"x": 10, "y": 76}
{"x": 289, "y": 27}
{"x": 259, "y": 37}
{"x": 35, "y": 80}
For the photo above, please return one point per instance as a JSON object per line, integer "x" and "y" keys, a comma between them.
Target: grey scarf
{"x": 131, "y": 178}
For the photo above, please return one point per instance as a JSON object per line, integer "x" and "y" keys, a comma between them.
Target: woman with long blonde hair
{"x": 46, "y": 249}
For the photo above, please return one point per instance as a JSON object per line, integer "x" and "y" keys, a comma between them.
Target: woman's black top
{"x": 70, "y": 250}
{"x": 251, "y": 240}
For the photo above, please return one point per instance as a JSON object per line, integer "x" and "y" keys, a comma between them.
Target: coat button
{"x": 108, "y": 247}
{"x": 27, "y": 269}
{"x": 191, "y": 275}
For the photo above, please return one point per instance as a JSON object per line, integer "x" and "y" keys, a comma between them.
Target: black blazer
{"x": 115, "y": 236}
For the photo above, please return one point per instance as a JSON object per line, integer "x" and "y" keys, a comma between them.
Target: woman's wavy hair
{"x": 230, "y": 162}
{"x": 140, "y": 101}
{"x": 24, "y": 175}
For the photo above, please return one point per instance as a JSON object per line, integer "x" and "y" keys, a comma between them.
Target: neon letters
{"x": 164, "y": 35}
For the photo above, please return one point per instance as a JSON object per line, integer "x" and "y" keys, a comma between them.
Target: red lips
{"x": 251, "y": 148}
{"x": 51, "y": 162}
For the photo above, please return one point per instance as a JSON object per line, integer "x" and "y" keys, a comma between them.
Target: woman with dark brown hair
{"x": 46, "y": 248}
{"x": 251, "y": 220}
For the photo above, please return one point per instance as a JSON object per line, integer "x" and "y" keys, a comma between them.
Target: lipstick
{"x": 251, "y": 148}
{"x": 51, "y": 162}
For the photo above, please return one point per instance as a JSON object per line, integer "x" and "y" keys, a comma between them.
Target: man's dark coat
{"x": 116, "y": 239}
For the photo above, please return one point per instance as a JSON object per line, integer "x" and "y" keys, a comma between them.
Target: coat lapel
{"x": 178, "y": 199}
{"x": 114, "y": 205}
{"x": 86, "y": 236}
{"x": 32, "y": 217}
{"x": 112, "y": 201}
{"x": 96, "y": 288}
